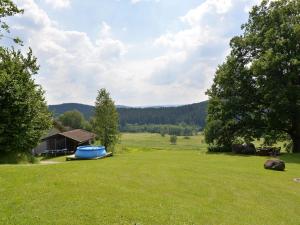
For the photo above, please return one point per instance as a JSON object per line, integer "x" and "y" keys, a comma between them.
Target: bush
{"x": 288, "y": 147}
{"x": 173, "y": 139}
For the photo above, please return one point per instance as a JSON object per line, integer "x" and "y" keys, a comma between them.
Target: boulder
{"x": 246, "y": 149}
{"x": 249, "y": 149}
{"x": 237, "y": 148}
{"x": 274, "y": 164}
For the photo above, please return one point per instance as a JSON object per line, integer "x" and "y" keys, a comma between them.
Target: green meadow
{"x": 150, "y": 181}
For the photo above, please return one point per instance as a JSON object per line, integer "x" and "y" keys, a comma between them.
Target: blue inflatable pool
{"x": 90, "y": 152}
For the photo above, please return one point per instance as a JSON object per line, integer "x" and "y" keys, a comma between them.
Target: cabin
{"x": 67, "y": 142}
{"x": 42, "y": 146}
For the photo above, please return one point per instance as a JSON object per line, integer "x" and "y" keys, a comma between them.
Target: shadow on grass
{"x": 49, "y": 157}
{"x": 290, "y": 157}
{"x": 287, "y": 157}
{"x": 229, "y": 154}
{"x": 17, "y": 158}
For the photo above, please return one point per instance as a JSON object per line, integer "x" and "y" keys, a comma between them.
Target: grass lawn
{"x": 152, "y": 182}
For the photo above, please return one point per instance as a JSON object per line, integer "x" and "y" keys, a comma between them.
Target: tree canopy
{"x": 24, "y": 114}
{"x": 256, "y": 91}
{"x": 73, "y": 119}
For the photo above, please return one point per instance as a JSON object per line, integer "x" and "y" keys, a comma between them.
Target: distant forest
{"x": 193, "y": 114}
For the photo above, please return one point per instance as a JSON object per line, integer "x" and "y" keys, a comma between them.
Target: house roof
{"x": 78, "y": 135}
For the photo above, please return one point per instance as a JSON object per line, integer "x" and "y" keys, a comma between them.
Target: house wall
{"x": 42, "y": 146}
{"x": 56, "y": 143}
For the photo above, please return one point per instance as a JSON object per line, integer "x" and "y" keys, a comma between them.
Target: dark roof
{"x": 78, "y": 135}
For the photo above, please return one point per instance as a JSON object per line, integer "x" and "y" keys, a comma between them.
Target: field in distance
{"x": 145, "y": 142}
{"x": 150, "y": 182}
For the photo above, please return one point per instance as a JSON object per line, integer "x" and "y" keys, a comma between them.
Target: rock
{"x": 274, "y": 164}
{"x": 249, "y": 149}
{"x": 237, "y": 148}
{"x": 246, "y": 149}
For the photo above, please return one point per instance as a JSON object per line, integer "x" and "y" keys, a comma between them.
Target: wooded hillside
{"x": 193, "y": 114}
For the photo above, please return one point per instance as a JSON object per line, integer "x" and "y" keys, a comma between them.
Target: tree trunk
{"x": 295, "y": 134}
{"x": 296, "y": 144}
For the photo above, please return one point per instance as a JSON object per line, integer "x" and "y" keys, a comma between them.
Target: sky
{"x": 144, "y": 52}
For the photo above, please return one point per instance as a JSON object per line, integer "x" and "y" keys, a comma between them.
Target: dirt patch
{"x": 297, "y": 180}
{"x": 48, "y": 162}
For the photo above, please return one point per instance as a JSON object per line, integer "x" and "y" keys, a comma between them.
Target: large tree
{"x": 24, "y": 114}
{"x": 106, "y": 120}
{"x": 256, "y": 91}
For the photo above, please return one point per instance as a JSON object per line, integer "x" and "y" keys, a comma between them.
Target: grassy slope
{"x": 152, "y": 187}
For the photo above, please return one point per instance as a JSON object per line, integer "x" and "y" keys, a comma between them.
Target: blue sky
{"x": 144, "y": 52}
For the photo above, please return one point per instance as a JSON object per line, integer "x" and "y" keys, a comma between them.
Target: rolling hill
{"x": 193, "y": 114}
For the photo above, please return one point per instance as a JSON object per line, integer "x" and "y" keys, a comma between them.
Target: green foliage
{"x": 217, "y": 133}
{"x": 8, "y": 8}
{"x": 24, "y": 115}
{"x": 256, "y": 92}
{"x": 87, "y": 126}
{"x": 57, "y": 124}
{"x": 288, "y": 146}
{"x": 73, "y": 119}
{"x": 173, "y": 139}
{"x": 106, "y": 120}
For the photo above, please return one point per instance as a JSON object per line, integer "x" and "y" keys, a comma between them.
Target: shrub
{"x": 173, "y": 139}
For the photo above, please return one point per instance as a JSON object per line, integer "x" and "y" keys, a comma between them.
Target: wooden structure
{"x": 42, "y": 146}
{"x": 67, "y": 142}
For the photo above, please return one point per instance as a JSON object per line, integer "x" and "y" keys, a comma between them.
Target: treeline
{"x": 178, "y": 130}
{"x": 193, "y": 114}
{"x": 75, "y": 120}
{"x": 87, "y": 111}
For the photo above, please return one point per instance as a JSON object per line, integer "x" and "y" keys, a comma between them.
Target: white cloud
{"x": 59, "y": 4}
{"x": 209, "y": 7}
{"x": 192, "y": 54}
{"x": 74, "y": 67}
{"x": 139, "y": 1}
{"x": 108, "y": 47}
